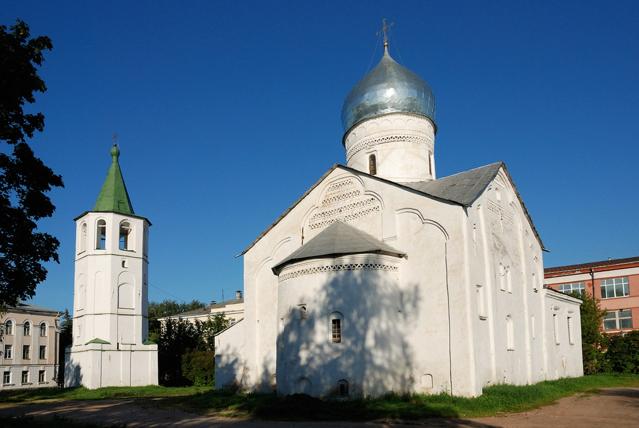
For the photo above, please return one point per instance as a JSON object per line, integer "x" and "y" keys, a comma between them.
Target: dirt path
{"x": 618, "y": 407}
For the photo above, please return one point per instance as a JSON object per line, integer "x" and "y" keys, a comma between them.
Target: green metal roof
{"x": 113, "y": 196}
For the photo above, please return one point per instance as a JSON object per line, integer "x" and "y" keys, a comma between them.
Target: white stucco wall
{"x": 111, "y": 304}
{"x": 467, "y": 301}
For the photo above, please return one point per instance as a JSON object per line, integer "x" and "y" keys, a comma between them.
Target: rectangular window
{"x": 25, "y": 376}
{"x": 618, "y": 320}
{"x": 6, "y": 378}
{"x": 614, "y": 287}
{"x": 43, "y": 352}
{"x": 8, "y": 351}
{"x": 571, "y": 336}
{"x": 572, "y": 287}
{"x": 26, "y": 352}
{"x": 41, "y": 376}
{"x": 336, "y": 330}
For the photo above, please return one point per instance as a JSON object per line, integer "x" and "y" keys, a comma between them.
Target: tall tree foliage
{"x": 186, "y": 351}
{"x": 167, "y": 308}
{"x": 24, "y": 178}
{"x": 592, "y": 339}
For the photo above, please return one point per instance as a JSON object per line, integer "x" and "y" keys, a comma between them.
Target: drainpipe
{"x": 592, "y": 279}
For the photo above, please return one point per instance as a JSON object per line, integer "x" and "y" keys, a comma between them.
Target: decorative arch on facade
{"x": 82, "y": 292}
{"x": 344, "y": 198}
{"x": 424, "y": 220}
{"x": 83, "y": 237}
{"x": 126, "y": 291}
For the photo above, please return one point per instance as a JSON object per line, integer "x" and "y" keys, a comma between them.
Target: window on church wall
{"x": 124, "y": 240}
{"x": 430, "y": 163}
{"x": 100, "y": 237}
{"x": 336, "y": 327}
{"x": 510, "y": 334}
{"x": 372, "y": 165}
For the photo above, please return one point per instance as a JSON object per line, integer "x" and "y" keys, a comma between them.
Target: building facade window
{"x": 100, "y": 235}
{"x": 125, "y": 231}
{"x": 614, "y": 287}
{"x": 42, "y": 376}
{"x": 26, "y": 329}
{"x": 8, "y": 328}
{"x": 342, "y": 388}
{"x": 481, "y": 302}
{"x": 26, "y": 352}
{"x": 572, "y": 287}
{"x": 43, "y": 352}
{"x": 372, "y": 165}
{"x": 336, "y": 327}
{"x": 8, "y": 351}
{"x": 6, "y": 378}
{"x": 25, "y": 376}
{"x": 43, "y": 329}
{"x": 618, "y": 320}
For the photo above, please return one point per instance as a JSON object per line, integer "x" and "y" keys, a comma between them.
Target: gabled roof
{"x": 338, "y": 239}
{"x": 25, "y": 308}
{"x": 114, "y": 196}
{"x": 462, "y": 189}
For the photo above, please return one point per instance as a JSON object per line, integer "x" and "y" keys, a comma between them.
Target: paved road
{"x": 618, "y": 407}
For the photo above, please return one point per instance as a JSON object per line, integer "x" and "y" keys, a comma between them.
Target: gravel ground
{"x": 618, "y": 407}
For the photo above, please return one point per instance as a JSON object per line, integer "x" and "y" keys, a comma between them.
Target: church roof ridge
{"x": 336, "y": 240}
{"x": 465, "y": 197}
{"x": 113, "y": 196}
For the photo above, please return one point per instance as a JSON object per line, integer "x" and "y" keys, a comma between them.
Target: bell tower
{"x": 110, "y": 325}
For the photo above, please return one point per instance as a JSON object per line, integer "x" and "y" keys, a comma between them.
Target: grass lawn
{"x": 495, "y": 400}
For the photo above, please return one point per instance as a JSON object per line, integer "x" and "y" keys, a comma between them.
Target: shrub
{"x": 199, "y": 367}
{"x": 623, "y": 353}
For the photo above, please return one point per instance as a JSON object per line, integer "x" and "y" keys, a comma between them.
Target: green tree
{"x": 592, "y": 339}
{"x": 24, "y": 178}
{"x": 167, "y": 308}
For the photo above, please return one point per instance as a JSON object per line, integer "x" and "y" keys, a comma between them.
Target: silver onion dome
{"x": 388, "y": 88}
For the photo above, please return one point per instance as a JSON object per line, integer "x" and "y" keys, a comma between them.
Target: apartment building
{"x": 29, "y": 347}
{"x": 233, "y": 310}
{"x": 614, "y": 282}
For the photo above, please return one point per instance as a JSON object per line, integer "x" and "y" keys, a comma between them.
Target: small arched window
{"x": 336, "y": 327}
{"x": 27, "y": 328}
{"x": 43, "y": 329}
{"x": 100, "y": 236}
{"x": 83, "y": 237}
{"x": 8, "y": 328}
{"x": 372, "y": 165}
{"x": 125, "y": 231}
{"x": 342, "y": 388}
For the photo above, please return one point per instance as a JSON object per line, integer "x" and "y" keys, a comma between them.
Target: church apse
{"x": 334, "y": 336}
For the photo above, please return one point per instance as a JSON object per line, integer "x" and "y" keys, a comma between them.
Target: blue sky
{"x": 228, "y": 111}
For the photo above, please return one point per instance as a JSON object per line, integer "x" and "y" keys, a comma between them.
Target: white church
{"x": 383, "y": 277}
{"x": 110, "y": 325}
